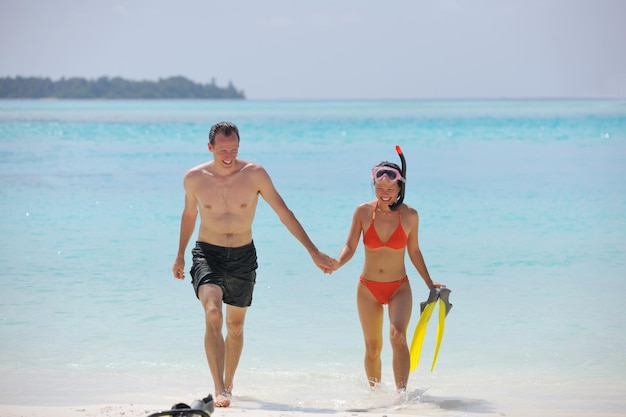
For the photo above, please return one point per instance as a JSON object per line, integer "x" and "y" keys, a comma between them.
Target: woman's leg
{"x": 400, "y": 307}
{"x": 371, "y": 316}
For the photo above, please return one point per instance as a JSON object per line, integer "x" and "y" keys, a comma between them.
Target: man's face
{"x": 225, "y": 149}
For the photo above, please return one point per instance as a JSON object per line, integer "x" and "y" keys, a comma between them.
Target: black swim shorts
{"x": 232, "y": 269}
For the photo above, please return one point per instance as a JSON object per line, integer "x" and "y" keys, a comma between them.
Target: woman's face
{"x": 386, "y": 191}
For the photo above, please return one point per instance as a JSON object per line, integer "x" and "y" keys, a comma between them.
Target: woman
{"x": 389, "y": 229}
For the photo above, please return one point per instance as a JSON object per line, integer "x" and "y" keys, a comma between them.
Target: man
{"x": 226, "y": 191}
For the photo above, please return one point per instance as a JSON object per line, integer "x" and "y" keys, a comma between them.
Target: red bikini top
{"x": 397, "y": 240}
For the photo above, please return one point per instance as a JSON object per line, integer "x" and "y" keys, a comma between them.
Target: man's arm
{"x": 187, "y": 225}
{"x": 286, "y": 216}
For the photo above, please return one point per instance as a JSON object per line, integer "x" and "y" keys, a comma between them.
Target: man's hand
{"x": 324, "y": 262}
{"x": 178, "y": 268}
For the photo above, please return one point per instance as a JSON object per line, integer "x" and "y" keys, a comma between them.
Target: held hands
{"x": 324, "y": 262}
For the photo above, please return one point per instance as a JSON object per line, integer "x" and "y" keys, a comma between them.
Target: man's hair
{"x": 226, "y": 128}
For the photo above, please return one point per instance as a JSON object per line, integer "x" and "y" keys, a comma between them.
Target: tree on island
{"x": 115, "y": 88}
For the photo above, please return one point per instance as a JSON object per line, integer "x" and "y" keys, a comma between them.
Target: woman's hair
{"x": 390, "y": 165}
{"x": 400, "y": 196}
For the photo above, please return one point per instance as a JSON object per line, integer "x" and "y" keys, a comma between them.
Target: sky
{"x": 329, "y": 49}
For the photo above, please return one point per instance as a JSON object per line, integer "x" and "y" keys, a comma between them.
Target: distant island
{"x": 114, "y": 88}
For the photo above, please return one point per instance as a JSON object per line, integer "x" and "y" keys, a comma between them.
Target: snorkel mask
{"x": 390, "y": 174}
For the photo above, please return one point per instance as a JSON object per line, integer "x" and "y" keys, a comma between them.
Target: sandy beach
{"x": 144, "y": 410}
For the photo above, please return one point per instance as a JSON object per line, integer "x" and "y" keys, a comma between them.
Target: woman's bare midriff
{"x": 384, "y": 264}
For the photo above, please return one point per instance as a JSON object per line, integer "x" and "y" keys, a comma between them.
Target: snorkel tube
{"x": 398, "y": 203}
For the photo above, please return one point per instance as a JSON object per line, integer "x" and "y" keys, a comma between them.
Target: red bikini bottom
{"x": 383, "y": 291}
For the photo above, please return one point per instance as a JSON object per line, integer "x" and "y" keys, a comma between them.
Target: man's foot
{"x": 222, "y": 400}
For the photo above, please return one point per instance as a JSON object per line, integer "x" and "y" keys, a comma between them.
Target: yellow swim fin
{"x": 418, "y": 336}
{"x": 427, "y": 307}
{"x": 440, "y": 327}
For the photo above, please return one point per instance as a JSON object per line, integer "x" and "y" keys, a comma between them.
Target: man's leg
{"x": 211, "y": 297}
{"x": 235, "y": 317}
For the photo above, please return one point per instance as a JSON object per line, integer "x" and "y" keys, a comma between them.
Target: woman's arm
{"x": 415, "y": 254}
{"x": 352, "y": 242}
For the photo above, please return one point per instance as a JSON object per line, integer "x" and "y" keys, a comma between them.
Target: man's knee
{"x": 235, "y": 317}
{"x": 211, "y": 298}
{"x": 235, "y": 326}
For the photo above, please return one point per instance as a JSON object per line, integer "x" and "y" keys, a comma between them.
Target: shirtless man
{"x": 226, "y": 191}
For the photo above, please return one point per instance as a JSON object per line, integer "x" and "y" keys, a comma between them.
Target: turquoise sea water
{"x": 522, "y": 214}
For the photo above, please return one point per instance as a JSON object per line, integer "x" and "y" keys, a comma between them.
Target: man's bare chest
{"x": 233, "y": 198}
